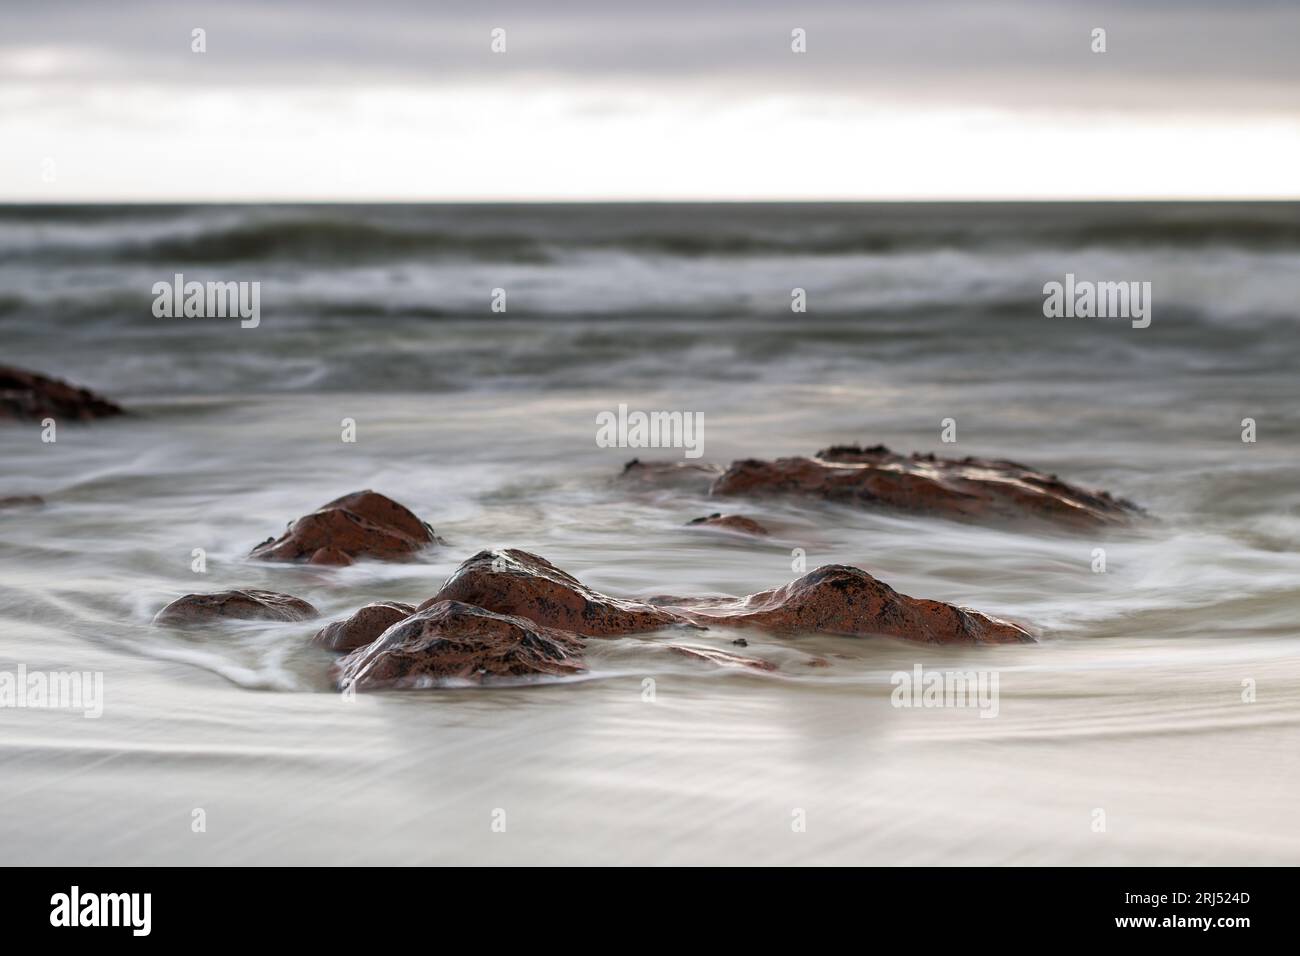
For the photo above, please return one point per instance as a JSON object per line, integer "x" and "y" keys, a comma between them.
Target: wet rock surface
{"x": 450, "y": 640}
{"x": 27, "y": 396}
{"x": 362, "y": 627}
{"x": 518, "y": 583}
{"x": 238, "y": 605}
{"x": 364, "y": 524}
{"x": 837, "y": 599}
{"x": 738, "y": 524}
{"x": 967, "y": 489}
{"x": 721, "y": 658}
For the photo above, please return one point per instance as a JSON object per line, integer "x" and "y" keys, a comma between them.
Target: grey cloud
{"x": 1187, "y": 56}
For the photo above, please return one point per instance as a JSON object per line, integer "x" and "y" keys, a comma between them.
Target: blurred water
{"x": 484, "y": 424}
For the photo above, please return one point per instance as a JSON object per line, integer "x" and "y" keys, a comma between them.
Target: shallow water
{"x": 484, "y": 424}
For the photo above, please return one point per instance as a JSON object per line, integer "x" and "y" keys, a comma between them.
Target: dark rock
{"x": 680, "y": 475}
{"x": 450, "y": 640}
{"x": 969, "y": 489}
{"x": 362, "y": 627}
{"x": 737, "y": 523}
{"x": 21, "y": 501}
{"x": 31, "y": 397}
{"x": 518, "y": 583}
{"x": 363, "y": 524}
{"x": 237, "y": 605}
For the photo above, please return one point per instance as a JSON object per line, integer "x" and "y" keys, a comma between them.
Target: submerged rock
{"x": 837, "y": 599}
{"x": 21, "y": 501}
{"x": 30, "y": 397}
{"x": 518, "y": 583}
{"x": 969, "y": 489}
{"x": 721, "y": 658}
{"x": 362, "y": 627}
{"x": 238, "y": 605}
{"x": 451, "y": 640}
{"x": 680, "y": 475}
{"x": 364, "y": 524}
{"x": 737, "y": 523}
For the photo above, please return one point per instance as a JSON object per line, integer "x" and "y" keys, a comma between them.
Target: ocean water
{"x": 1122, "y": 736}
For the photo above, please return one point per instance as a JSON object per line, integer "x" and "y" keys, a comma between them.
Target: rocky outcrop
{"x": 31, "y": 397}
{"x": 514, "y": 614}
{"x": 837, "y": 599}
{"x": 236, "y": 605}
{"x": 362, "y": 627}
{"x": 363, "y": 524}
{"x": 522, "y": 584}
{"x": 677, "y": 475}
{"x": 453, "y": 641}
{"x": 968, "y": 489}
{"x": 735, "y": 523}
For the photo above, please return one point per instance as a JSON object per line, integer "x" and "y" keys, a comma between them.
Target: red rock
{"x": 680, "y": 475}
{"x": 737, "y": 523}
{"x": 363, "y": 524}
{"x": 362, "y": 627}
{"x": 32, "y": 397}
{"x": 969, "y": 489}
{"x": 836, "y": 599}
{"x": 238, "y": 605}
{"x": 450, "y": 640}
{"x": 331, "y": 557}
{"x": 522, "y": 584}
{"x": 21, "y": 501}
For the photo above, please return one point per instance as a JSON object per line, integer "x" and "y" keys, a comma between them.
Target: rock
{"x": 721, "y": 658}
{"x": 331, "y": 557}
{"x": 363, "y": 524}
{"x": 518, "y": 583}
{"x": 836, "y": 599}
{"x": 362, "y": 627}
{"x": 737, "y": 523}
{"x": 680, "y": 475}
{"x": 833, "y": 599}
{"x": 31, "y": 397}
{"x": 969, "y": 489}
{"x": 21, "y": 501}
{"x": 451, "y": 640}
{"x": 238, "y": 605}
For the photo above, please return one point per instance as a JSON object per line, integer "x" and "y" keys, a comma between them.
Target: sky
{"x": 397, "y": 100}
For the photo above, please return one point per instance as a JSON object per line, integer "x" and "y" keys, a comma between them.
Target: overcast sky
{"x": 405, "y": 100}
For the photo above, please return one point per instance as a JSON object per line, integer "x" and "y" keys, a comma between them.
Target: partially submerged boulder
{"x": 364, "y": 524}
{"x": 722, "y": 658}
{"x": 518, "y": 583}
{"x": 362, "y": 627}
{"x": 678, "y": 475}
{"x": 21, "y": 501}
{"x": 838, "y": 599}
{"x": 738, "y": 524}
{"x": 27, "y": 396}
{"x": 968, "y": 489}
{"x": 450, "y": 640}
{"x": 238, "y": 605}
